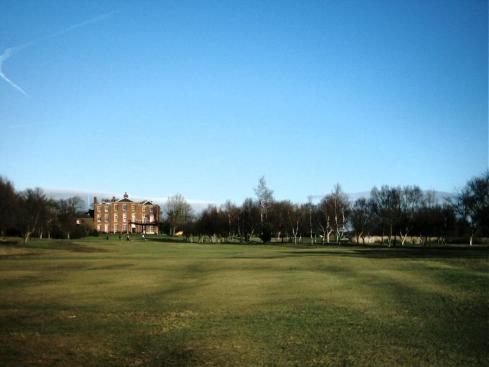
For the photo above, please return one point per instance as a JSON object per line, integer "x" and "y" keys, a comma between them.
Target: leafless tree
{"x": 295, "y": 217}
{"x": 8, "y": 205}
{"x": 231, "y": 212}
{"x": 410, "y": 201}
{"x": 31, "y": 208}
{"x": 335, "y": 208}
{"x": 472, "y": 204}
{"x": 178, "y": 212}
{"x": 360, "y": 218}
{"x": 249, "y": 219}
{"x": 264, "y": 197}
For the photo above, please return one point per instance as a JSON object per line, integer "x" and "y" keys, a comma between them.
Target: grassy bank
{"x": 95, "y": 302}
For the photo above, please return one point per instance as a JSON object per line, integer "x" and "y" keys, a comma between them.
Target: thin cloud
{"x": 9, "y": 52}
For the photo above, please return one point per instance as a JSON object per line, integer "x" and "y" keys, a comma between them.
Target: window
{"x": 107, "y": 217}
{"x": 106, "y": 208}
{"x": 133, "y": 208}
{"x": 150, "y": 210}
{"x": 124, "y": 227}
{"x": 99, "y": 218}
{"x": 98, "y": 227}
{"x": 124, "y": 207}
{"x": 115, "y": 207}
{"x": 115, "y": 227}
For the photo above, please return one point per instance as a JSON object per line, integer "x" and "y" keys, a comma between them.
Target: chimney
{"x": 125, "y": 195}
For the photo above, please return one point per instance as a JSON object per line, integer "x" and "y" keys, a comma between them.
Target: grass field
{"x": 116, "y": 303}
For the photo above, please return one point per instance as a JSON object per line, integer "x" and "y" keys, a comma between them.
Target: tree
{"x": 32, "y": 207}
{"x": 472, "y": 204}
{"x": 325, "y": 214}
{"x": 410, "y": 201}
{"x": 361, "y": 215}
{"x": 8, "y": 206}
{"x": 67, "y": 213}
{"x": 295, "y": 217}
{"x": 49, "y": 219}
{"x": 231, "y": 212}
{"x": 212, "y": 222}
{"x": 335, "y": 208}
{"x": 249, "y": 219}
{"x": 386, "y": 206}
{"x": 178, "y": 212}
{"x": 278, "y": 219}
{"x": 264, "y": 197}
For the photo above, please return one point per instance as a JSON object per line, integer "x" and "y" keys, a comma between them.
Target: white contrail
{"x": 8, "y": 52}
{"x": 82, "y": 24}
{"x": 5, "y": 56}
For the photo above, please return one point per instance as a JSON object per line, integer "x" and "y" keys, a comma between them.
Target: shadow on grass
{"x": 393, "y": 253}
{"x": 66, "y": 245}
{"x": 380, "y": 253}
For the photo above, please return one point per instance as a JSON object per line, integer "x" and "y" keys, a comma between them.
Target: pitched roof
{"x": 124, "y": 201}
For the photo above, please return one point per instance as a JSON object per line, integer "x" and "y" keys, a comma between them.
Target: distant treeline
{"x": 391, "y": 215}
{"x": 30, "y": 213}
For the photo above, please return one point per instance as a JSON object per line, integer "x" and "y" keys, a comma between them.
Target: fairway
{"x": 94, "y": 302}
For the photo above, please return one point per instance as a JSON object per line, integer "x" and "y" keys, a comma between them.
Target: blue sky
{"x": 203, "y": 98}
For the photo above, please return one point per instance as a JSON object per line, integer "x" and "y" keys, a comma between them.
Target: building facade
{"x": 126, "y": 216}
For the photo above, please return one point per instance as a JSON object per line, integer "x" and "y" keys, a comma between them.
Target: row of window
{"x": 124, "y": 208}
{"x": 124, "y": 218}
{"x": 123, "y": 229}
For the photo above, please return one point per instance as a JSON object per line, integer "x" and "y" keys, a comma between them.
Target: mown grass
{"x": 116, "y": 303}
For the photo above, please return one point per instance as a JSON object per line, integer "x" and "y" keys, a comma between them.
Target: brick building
{"x": 126, "y": 216}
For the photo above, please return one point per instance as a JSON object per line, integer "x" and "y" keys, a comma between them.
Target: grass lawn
{"x": 94, "y": 302}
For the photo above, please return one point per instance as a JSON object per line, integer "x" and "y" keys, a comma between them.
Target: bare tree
{"x": 361, "y": 215}
{"x": 231, "y": 212}
{"x": 295, "y": 217}
{"x": 265, "y": 198}
{"x": 325, "y": 214}
{"x": 32, "y": 207}
{"x": 335, "y": 208}
{"x": 473, "y": 204}
{"x": 278, "y": 219}
{"x": 410, "y": 201}
{"x": 249, "y": 219}
{"x": 8, "y": 205}
{"x": 67, "y": 213}
{"x": 178, "y": 212}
